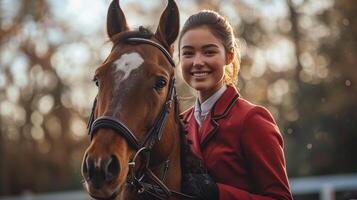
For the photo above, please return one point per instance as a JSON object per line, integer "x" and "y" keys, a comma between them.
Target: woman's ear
{"x": 229, "y": 57}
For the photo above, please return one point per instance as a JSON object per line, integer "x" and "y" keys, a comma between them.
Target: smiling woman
{"x": 238, "y": 142}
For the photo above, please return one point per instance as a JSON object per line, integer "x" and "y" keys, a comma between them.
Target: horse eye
{"x": 160, "y": 83}
{"x": 96, "y": 81}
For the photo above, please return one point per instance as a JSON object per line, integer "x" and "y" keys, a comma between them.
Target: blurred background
{"x": 298, "y": 59}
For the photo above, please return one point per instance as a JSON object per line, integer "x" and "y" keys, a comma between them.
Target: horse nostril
{"x": 89, "y": 170}
{"x": 99, "y": 171}
{"x": 85, "y": 168}
{"x": 112, "y": 168}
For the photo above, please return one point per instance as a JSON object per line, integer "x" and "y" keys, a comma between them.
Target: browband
{"x": 147, "y": 41}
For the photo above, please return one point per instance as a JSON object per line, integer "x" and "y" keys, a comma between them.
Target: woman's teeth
{"x": 200, "y": 74}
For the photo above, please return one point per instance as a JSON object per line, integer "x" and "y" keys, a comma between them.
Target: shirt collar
{"x": 201, "y": 110}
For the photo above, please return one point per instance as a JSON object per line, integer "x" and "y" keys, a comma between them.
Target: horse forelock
{"x": 140, "y": 32}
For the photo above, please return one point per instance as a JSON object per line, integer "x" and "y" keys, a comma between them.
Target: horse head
{"x": 133, "y": 125}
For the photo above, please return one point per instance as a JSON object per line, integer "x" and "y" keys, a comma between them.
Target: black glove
{"x": 201, "y": 186}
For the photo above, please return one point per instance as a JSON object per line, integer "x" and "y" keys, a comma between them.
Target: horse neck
{"x": 173, "y": 174}
{"x": 173, "y": 142}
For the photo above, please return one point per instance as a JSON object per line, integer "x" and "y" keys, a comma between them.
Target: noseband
{"x": 158, "y": 190}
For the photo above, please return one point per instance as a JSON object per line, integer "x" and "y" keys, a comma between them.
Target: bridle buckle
{"x": 133, "y": 163}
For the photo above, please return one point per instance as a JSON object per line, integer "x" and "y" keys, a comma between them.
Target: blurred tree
{"x": 324, "y": 134}
{"x": 38, "y": 143}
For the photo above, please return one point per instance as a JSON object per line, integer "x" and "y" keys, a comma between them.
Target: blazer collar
{"x": 210, "y": 125}
{"x": 225, "y": 103}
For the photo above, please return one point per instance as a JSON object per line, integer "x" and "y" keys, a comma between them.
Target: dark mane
{"x": 190, "y": 163}
{"x": 141, "y": 32}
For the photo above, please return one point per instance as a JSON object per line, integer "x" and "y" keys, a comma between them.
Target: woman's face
{"x": 203, "y": 60}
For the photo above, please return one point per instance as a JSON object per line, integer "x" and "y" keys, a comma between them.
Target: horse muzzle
{"x": 99, "y": 174}
{"x": 100, "y": 171}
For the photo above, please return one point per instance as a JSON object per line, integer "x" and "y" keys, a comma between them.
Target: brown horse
{"x": 136, "y": 145}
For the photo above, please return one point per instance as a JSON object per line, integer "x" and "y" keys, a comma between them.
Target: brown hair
{"x": 222, "y": 29}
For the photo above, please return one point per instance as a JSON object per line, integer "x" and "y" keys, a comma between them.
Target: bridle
{"x": 157, "y": 190}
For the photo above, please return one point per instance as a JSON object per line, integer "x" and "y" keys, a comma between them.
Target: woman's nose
{"x": 198, "y": 60}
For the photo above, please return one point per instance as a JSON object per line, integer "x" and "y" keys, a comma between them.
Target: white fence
{"x": 325, "y": 186}
{"x": 73, "y": 195}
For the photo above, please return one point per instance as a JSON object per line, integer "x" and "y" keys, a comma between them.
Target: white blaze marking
{"x": 97, "y": 163}
{"x": 127, "y": 63}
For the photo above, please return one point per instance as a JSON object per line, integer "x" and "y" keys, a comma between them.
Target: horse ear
{"x": 169, "y": 24}
{"x": 116, "y": 21}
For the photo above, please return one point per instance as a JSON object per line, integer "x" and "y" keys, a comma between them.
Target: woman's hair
{"x": 222, "y": 29}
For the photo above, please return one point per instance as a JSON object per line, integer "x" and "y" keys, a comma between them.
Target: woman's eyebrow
{"x": 203, "y": 47}
{"x": 187, "y": 47}
{"x": 209, "y": 45}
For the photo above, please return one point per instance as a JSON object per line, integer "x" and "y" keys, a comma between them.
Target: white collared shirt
{"x": 201, "y": 110}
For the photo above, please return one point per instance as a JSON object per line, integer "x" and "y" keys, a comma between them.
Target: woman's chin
{"x": 205, "y": 87}
{"x": 199, "y": 86}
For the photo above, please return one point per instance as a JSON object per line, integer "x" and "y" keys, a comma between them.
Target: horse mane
{"x": 190, "y": 163}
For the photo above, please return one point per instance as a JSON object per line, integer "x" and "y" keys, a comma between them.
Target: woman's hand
{"x": 201, "y": 186}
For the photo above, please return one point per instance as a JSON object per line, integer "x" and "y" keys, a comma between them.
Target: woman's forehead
{"x": 199, "y": 37}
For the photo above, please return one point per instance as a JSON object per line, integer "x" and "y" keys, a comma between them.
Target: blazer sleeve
{"x": 262, "y": 147}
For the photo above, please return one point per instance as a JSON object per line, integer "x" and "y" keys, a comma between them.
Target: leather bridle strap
{"x": 155, "y": 44}
{"x": 155, "y": 132}
{"x": 118, "y": 127}
{"x": 91, "y": 118}
{"x": 152, "y": 137}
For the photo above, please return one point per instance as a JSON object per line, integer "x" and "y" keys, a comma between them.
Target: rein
{"x": 158, "y": 189}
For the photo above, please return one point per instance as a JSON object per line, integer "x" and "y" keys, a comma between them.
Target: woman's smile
{"x": 200, "y": 74}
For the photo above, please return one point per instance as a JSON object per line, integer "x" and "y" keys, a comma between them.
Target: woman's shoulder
{"x": 251, "y": 110}
{"x": 258, "y": 122}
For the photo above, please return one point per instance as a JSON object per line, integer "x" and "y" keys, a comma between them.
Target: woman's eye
{"x": 187, "y": 53}
{"x": 160, "y": 83}
{"x": 210, "y": 53}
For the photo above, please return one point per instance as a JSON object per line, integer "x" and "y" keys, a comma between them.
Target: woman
{"x": 238, "y": 142}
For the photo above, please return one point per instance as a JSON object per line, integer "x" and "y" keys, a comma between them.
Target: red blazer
{"x": 242, "y": 148}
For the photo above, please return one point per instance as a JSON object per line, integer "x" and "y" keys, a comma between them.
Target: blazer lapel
{"x": 193, "y": 134}
{"x": 219, "y": 110}
{"x": 208, "y": 129}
